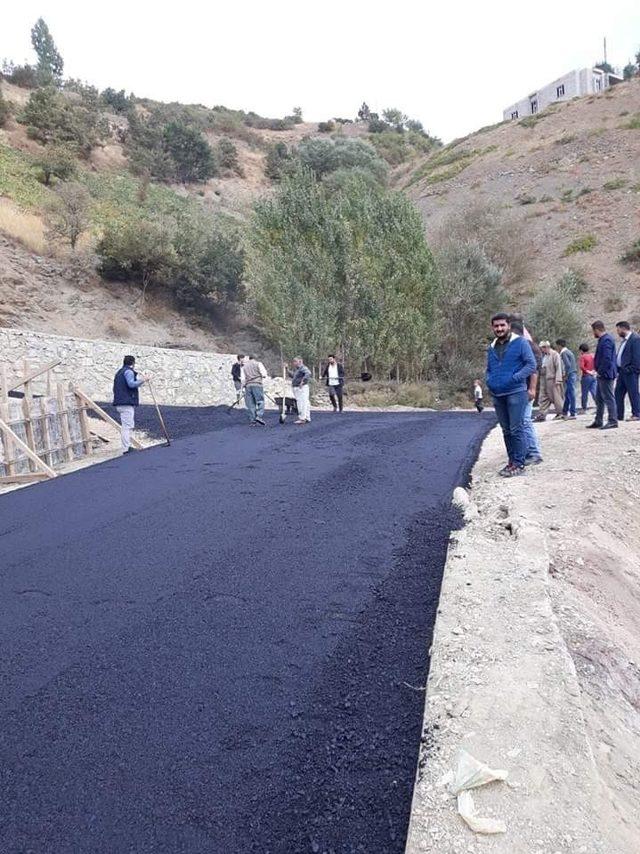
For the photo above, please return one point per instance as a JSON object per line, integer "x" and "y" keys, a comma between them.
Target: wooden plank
{"x": 28, "y": 427}
{"x": 84, "y": 425}
{"x": 24, "y": 478}
{"x": 4, "y": 385}
{"x": 63, "y": 418}
{"x": 99, "y": 411}
{"x": 31, "y": 376}
{"x": 6, "y": 441}
{"x": 33, "y": 457}
{"x": 46, "y": 433}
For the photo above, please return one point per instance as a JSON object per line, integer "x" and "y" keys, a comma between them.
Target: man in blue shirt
{"x": 510, "y": 363}
{"x": 126, "y": 397}
{"x": 606, "y": 371}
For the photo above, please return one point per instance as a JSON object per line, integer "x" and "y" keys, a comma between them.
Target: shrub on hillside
{"x": 5, "y": 112}
{"x": 323, "y": 156}
{"x": 227, "y": 156}
{"x": 119, "y": 102}
{"x": 581, "y": 244}
{"x": 52, "y": 118}
{"x": 89, "y": 94}
{"x": 632, "y": 254}
{"x": 191, "y": 154}
{"x": 392, "y": 146}
{"x": 469, "y": 290}
{"x": 56, "y": 160}
{"x": 278, "y": 161}
{"x": 554, "y": 312}
{"x": 68, "y": 215}
{"x": 25, "y": 76}
{"x": 503, "y": 238}
{"x": 253, "y": 120}
{"x": 326, "y": 127}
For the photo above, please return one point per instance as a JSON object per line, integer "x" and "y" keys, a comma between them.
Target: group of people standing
{"x": 519, "y": 371}
{"x": 248, "y": 375}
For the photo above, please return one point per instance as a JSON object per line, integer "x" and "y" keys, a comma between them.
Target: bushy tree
{"x": 119, "y": 102}
{"x": 323, "y": 156}
{"x": 4, "y": 110}
{"x": 50, "y": 117}
{"x": 394, "y": 117}
{"x": 297, "y": 115}
{"x": 345, "y": 268}
{"x": 364, "y": 113}
{"x": 56, "y": 160}
{"x": 137, "y": 248}
{"x": 227, "y": 156}
{"x": 67, "y": 217}
{"x": 554, "y": 312}
{"x": 630, "y": 71}
{"x": 191, "y": 153}
{"x": 25, "y": 76}
{"x": 50, "y": 63}
{"x": 468, "y": 292}
{"x": 278, "y": 161}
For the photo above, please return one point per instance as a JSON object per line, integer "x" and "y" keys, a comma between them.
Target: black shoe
{"x": 610, "y": 425}
{"x": 594, "y": 426}
{"x": 260, "y": 421}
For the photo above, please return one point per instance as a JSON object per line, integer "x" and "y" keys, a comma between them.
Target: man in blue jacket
{"x": 126, "y": 397}
{"x": 606, "y": 371}
{"x": 628, "y": 364}
{"x": 510, "y": 363}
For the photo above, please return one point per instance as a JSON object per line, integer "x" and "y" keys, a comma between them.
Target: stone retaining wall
{"x": 180, "y": 377}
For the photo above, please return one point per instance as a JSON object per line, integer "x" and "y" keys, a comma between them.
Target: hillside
{"x": 571, "y": 173}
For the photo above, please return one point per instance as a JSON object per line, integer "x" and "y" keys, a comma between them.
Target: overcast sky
{"x": 454, "y": 67}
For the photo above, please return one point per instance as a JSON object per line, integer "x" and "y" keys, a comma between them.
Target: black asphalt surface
{"x": 214, "y": 648}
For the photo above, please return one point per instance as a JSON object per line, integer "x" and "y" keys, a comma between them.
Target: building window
{"x": 534, "y": 107}
{"x": 560, "y": 91}
{"x": 597, "y": 82}
{"x": 514, "y": 114}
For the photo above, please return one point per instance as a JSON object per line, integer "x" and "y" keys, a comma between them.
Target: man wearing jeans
{"x": 510, "y": 363}
{"x": 533, "y": 454}
{"x": 570, "y": 371}
{"x": 606, "y": 371}
{"x": 588, "y": 382}
{"x": 254, "y": 375}
{"x": 126, "y": 397}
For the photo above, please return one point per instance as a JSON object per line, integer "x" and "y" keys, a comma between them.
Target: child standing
{"x": 477, "y": 395}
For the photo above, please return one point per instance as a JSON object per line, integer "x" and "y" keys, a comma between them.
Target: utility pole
{"x": 605, "y": 49}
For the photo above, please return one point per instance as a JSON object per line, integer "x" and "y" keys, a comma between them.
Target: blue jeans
{"x": 254, "y": 401}
{"x": 511, "y": 411}
{"x": 570, "y": 395}
{"x": 533, "y": 443}
{"x": 588, "y": 387}
{"x": 627, "y": 384}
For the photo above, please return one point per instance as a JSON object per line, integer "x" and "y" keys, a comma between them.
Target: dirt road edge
{"x": 503, "y": 686}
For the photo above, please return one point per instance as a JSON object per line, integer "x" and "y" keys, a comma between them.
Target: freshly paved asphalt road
{"x": 214, "y": 648}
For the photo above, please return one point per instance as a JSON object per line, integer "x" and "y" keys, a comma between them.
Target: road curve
{"x": 218, "y": 646}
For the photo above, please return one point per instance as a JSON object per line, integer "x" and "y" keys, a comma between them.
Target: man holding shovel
{"x": 126, "y": 397}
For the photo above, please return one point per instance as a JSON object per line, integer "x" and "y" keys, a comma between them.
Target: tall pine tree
{"x": 50, "y": 63}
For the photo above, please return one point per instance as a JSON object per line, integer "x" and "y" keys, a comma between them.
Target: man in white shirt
{"x": 333, "y": 376}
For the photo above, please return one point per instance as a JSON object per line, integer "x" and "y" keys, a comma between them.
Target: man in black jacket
{"x": 236, "y": 376}
{"x": 628, "y": 362}
{"x": 333, "y": 376}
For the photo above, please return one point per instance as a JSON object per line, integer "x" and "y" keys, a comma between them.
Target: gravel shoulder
{"x": 534, "y": 664}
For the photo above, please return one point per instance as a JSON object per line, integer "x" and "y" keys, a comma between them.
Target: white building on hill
{"x": 583, "y": 81}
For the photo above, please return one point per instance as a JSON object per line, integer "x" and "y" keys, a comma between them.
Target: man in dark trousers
{"x": 628, "y": 364}
{"x": 126, "y": 397}
{"x": 606, "y": 371}
{"x": 510, "y": 363}
{"x": 333, "y": 376}
{"x": 237, "y": 375}
{"x": 570, "y": 370}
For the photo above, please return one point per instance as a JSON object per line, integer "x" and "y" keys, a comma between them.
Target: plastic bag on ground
{"x": 467, "y": 811}
{"x": 472, "y": 773}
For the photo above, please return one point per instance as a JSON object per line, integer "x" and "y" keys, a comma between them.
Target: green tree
{"x": 50, "y": 117}
{"x": 297, "y": 115}
{"x": 394, "y": 117}
{"x": 50, "y": 63}
{"x": 138, "y": 248}
{"x": 323, "y": 156}
{"x": 468, "y": 292}
{"x": 190, "y": 152}
{"x": 364, "y": 113}
{"x": 227, "y": 156}
{"x": 555, "y": 311}
{"x": 56, "y": 160}
{"x": 278, "y": 161}
{"x": 67, "y": 217}
{"x": 346, "y": 268}
{"x": 630, "y": 71}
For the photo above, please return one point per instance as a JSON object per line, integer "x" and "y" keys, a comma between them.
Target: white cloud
{"x": 454, "y": 67}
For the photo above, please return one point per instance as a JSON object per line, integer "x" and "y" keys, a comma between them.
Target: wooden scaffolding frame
{"x": 49, "y": 431}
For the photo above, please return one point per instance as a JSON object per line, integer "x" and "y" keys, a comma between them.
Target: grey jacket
{"x": 300, "y": 376}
